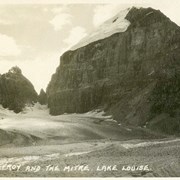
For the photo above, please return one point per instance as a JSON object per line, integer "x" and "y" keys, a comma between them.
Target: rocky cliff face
{"x": 16, "y": 90}
{"x": 42, "y": 97}
{"x": 133, "y": 75}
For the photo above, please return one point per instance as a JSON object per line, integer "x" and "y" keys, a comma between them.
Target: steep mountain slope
{"x": 132, "y": 74}
{"x": 16, "y": 90}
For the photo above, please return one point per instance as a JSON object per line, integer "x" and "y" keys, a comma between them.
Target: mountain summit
{"x": 16, "y": 90}
{"x": 114, "y": 25}
{"x": 132, "y": 72}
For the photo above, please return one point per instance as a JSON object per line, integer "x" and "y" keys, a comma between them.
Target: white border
{"x": 10, "y": 2}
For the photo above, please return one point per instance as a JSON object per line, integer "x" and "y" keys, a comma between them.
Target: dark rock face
{"x": 133, "y": 75}
{"x": 42, "y": 97}
{"x": 16, "y": 90}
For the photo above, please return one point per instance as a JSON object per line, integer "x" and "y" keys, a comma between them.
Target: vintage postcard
{"x": 90, "y": 88}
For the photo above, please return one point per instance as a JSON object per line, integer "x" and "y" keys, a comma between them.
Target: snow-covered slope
{"x": 29, "y": 111}
{"x": 114, "y": 25}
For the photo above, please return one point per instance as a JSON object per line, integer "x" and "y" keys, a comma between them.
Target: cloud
{"x": 5, "y": 22}
{"x": 60, "y": 20}
{"x": 62, "y": 17}
{"x": 8, "y": 46}
{"x": 106, "y": 11}
{"x": 43, "y": 69}
{"x": 75, "y": 35}
{"x": 38, "y": 71}
{"x": 60, "y": 9}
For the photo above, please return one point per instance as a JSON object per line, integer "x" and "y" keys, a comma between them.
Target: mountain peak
{"x": 121, "y": 22}
{"x": 42, "y": 97}
{"x": 129, "y": 68}
{"x": 145, "y": 16}
{"x": 16, "y": 90}
{"x": 15, "y": 70}
{"x": 116, "y": 24}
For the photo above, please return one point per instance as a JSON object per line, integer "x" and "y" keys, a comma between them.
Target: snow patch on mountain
{"x": 114, "y": 25}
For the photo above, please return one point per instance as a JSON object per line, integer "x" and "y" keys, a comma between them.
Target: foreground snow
{"x": 35, "y": 126}
{"x": 29, "y": 110}
{"x": 38, "y": 126}
{"x": 36, "y": 118}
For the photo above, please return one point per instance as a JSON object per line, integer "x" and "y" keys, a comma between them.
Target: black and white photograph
{"x": 89, "y": 88}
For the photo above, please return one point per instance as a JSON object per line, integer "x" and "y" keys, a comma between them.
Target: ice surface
{"x": 114, "y": 25}
{"x": 36, "y": 120}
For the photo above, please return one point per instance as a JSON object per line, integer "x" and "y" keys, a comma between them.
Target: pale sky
{"x": 33, "y": 36}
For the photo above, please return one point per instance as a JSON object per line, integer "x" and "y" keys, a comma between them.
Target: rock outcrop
{"x": 16, "y": 90}
{"x": 42, "y": 97}
{"x": 133, "y": 75}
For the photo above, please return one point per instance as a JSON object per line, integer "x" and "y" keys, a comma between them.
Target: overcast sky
{"x": 33, "y": 36}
